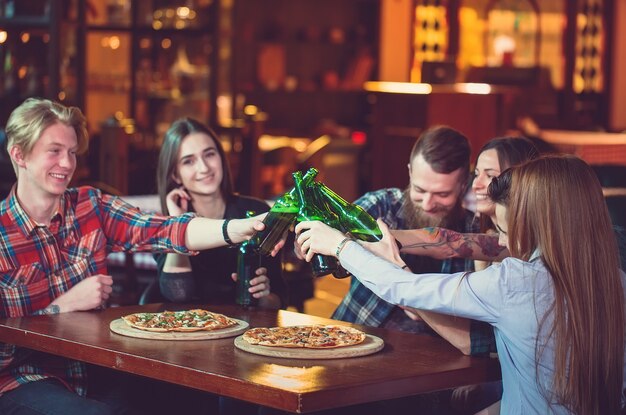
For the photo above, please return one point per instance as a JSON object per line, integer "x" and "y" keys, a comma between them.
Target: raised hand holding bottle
{"x": 320, "y": 264}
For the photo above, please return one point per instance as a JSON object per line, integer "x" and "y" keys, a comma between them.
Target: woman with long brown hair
{"x": 557, "y": 305}
{"x": 193, "y": 175}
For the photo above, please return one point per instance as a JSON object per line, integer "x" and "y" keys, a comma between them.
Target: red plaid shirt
{"x": 39, "y": 263}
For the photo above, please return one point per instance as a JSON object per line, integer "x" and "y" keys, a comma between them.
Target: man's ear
{"x": 17, "y": 155}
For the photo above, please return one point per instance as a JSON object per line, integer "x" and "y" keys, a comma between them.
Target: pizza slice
{"x": 331, "y": 336}
{"x": 290, "y": 336}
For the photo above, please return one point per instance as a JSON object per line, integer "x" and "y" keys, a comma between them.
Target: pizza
{"x": 311, "y": 337}
{"x": 188, "y": 320}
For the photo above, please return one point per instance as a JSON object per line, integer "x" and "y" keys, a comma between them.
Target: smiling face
{"x": 48, "y": 168}
{"x": 487, "y": 167}
{"x": 501, "y": 225}
{"x": 433, "y": 194}
{"x": 199, "y": 166}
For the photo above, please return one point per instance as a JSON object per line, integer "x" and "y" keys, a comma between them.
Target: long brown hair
{"x": 556, "y": 207}
{"x": 168, "y": 158}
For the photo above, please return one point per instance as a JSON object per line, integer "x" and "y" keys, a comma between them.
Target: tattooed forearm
{"x": 443, "y": 243}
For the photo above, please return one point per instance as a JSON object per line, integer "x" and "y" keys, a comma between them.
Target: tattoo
{"x": 52, "y": 309}
{"x": 489, "y": 245}
{"x": 460, "y": 245}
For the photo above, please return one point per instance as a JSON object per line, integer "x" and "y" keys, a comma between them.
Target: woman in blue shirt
{"x": 557, "y": 305}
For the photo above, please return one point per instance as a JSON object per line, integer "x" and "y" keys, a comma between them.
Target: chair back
{"x": 611, "y": 175}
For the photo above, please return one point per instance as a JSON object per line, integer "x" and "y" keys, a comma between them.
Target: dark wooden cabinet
{"x": 304, "y": 61}
{"x": 399, "y": 118}
{"x": 147, "y": 63}
{"x": 151, "y": 61}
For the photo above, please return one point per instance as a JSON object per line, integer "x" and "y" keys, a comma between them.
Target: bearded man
{"x": 438, "y": 177}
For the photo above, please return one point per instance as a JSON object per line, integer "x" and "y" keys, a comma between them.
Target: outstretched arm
{"x": 205, "y": 233}
{"x": 315, "y": 237}
{"x": 456, "y": 330}
{"x": 443, "y": 243}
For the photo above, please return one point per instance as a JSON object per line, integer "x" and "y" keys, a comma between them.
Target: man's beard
{"x": 415, "y": 217}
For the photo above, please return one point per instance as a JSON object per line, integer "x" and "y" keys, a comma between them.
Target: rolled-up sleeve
{"x": 131, "y": 230}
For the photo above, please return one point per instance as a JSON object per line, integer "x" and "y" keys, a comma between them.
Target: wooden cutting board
{"x": 120, "y": 327}
{"x": 370, "y": 345}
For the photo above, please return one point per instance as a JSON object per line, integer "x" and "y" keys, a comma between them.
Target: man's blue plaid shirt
{"x": 362, "y": 306}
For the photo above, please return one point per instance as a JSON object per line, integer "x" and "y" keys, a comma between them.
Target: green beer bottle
{"x": 247, "y": 264}
{"x": 280, "y": 217}
{"x": 354, "y": 218}
{"x": 248, "y": 260}
{"x": 320, "y": 264}
{"x": 331, "y": 219}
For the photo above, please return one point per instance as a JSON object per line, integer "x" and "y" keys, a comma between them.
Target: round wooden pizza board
{"x": 370, "y": 345}
{"x": 120, "y": 327}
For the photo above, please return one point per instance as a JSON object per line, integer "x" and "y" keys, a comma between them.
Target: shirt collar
{"x": 536, "y": 255}
{"x": 24, "y": 222}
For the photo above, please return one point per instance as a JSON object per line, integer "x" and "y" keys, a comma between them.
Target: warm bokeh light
{"x": 21, "y": 73}
{"x": 398, "y": 87}
{"x": 183, "y": 12}
{"x": 473, "y": 88}
{"x": 3, "y": 36}
{"x": 166, "y": 43}
{"x": 114, "y": 42}
{"x": 250, "y": 110}
{"x": 25, "y": 38}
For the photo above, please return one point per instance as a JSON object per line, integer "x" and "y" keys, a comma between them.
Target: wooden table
{"x": 409, "y": 364}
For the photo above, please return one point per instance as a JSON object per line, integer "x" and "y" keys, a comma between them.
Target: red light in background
{"x": 358, "y": 137}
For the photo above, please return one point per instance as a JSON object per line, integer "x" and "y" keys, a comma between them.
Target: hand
{"x": 314, "y": 237}
{"x": 177, "y": 201}
{"x": 411, "y": 312}
{"x": 90, "y": 293}
{"x": 281, "y": 242}
{"x": 259, "y": 285}
{"x": 387, "y": 247}
{"x": 297, "y": 249}
{"x": 240, "y": 230}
